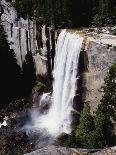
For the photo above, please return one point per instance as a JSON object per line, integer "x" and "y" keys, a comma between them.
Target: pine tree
{"x": 104, "y": 129}
{"x": 28, "y": 74}
{"x": 104, "y": 132}
{"x": 10, "y": 71}
{"x": 105, "y": 12}
{"x": 84, "y": 132}
{"x": 109, "y": 97}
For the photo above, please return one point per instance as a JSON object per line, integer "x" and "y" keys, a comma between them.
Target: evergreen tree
{"x": 84, "y": 132}
{"x": 104, "y": 129}
{"x": 81, "y": 12}
{"x": 65, "y": 13}
{"x": 28, "y": 74}
{"x": 109, "y": 97}
{"x": 106, "y": 110}
{"x": 25, "y": 8}
{"x": 10, "y": 72}
{"x": 105, "y": 12}
{"x": 14, "y": 81}
{"x": 98, "y": 132}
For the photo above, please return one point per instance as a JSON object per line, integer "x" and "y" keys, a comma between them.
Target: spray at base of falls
{"x": 57, "y": 119}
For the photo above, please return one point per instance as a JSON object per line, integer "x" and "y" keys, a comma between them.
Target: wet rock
{"x": 106, "y": 151}
{"x": 62, "y": 136}
{"x": 51, "y": 150}
{"x": 1, "y": 119}
{"x": 12, "y": 122}
{"x": 58, "y": 150}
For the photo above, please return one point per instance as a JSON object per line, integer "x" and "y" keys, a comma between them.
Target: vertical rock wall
{"x": 27, "y": 35}
{"x": 21, "y": 33}
{"x": 99, "y": 59}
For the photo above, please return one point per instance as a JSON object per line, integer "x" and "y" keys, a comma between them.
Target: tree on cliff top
{"x": 64, "y": 13}
{"x": 105, "y": 12}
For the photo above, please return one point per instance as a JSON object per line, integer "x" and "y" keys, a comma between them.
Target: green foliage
{"x": 104, "y": 134}
{"x": 84, "y": 132}
{"x": 81, "y": 12}
{"x": 4, "y": 146}
{"x": 28, "y": 74}
{"x": 109, "y": 97}
{"x": 39, "y": 86}
{"x": 105, "y": 12}
{"x": 98, "y": 131}
{"x": 93, "y": 132}
{"x": 71, "y": 141}
{"x": 15, "y": 144}
{"x": 50, "y": 11}
{"x": 10, "y": 71}
{"x": 25, "y": 8}
{"x": 65, "y": 13}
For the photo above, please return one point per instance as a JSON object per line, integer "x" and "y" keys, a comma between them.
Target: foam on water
{"x": 58, "y": 118}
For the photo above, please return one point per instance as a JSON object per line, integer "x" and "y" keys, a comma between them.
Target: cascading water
{"x": 57, "y": 119}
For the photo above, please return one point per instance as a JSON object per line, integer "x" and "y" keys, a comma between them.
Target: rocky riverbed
{"x": 55, "y": 150}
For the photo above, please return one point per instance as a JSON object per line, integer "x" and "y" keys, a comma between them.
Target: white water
{"x": 4, "y": 123}
{"x": 58, "y": 119}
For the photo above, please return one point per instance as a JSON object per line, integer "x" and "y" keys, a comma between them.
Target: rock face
{"x": 55, "y": 150}
{"x": 98, "y": 60}
{"x": 21, "y": 33}
{"x": 27, "y": 35}
{"x": 106, "y": 151}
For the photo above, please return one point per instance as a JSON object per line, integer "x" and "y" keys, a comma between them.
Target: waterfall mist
{"x": 57, "y": 119}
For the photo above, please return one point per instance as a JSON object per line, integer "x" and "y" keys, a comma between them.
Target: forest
{"x": 66, "y": 13}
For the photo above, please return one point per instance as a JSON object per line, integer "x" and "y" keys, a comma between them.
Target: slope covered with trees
{"x": 66, "y": 13}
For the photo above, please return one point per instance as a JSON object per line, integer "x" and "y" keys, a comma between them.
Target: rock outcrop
{"x": 57, "y": 150}
{"x": 98, "y": 60}
{"x": 28, "y": 36}
{"x": 21, "y": 33}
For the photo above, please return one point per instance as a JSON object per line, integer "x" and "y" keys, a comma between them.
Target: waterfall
{"x": 58, "y": 119}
